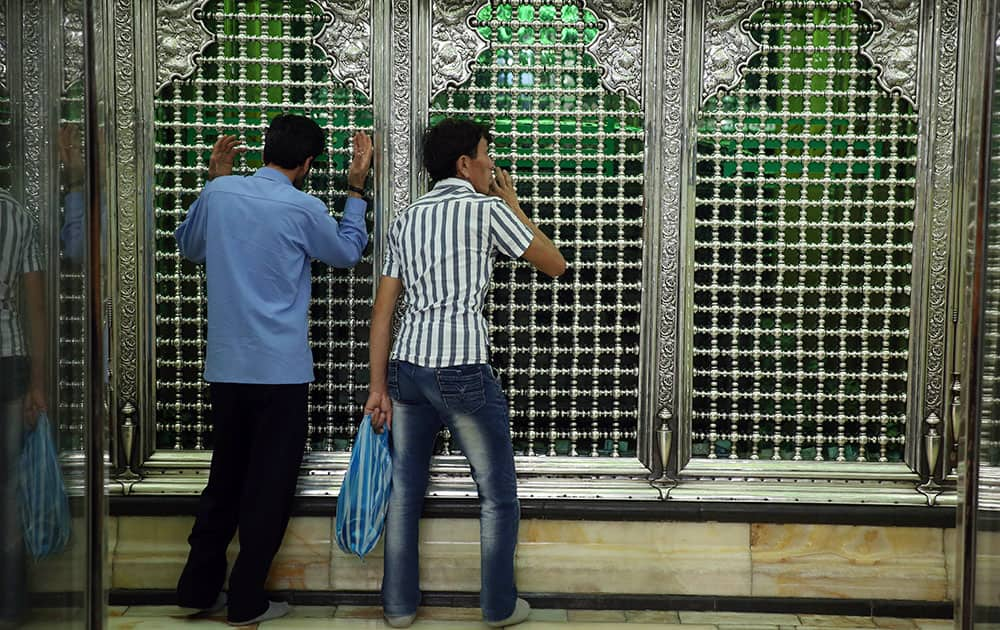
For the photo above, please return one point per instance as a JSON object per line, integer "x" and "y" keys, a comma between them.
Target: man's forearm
{"x": 35, "y": 303}
{"x": 378, "y": 352}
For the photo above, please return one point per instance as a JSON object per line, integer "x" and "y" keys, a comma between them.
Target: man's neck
{"x": 290, "y": 173}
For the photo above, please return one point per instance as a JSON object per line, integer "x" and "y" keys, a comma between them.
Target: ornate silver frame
{"x": 676, "y": 44}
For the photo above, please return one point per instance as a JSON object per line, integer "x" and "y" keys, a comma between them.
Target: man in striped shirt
{"x": 440, "y": 252}
{"x": 22, "y": 381}
{"x": 257, "y": 237}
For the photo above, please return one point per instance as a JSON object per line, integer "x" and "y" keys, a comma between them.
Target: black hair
{"x": 291, "y": 139}
{"x": 449, "y": 140}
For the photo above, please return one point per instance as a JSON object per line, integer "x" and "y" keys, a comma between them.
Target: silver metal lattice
{"x": 989, "y": 446}
{"x": 802, "y": 248}
{"x": 264, "y": 62}
{"x": 72, "y": 297}
{"x": 568, "y": 350}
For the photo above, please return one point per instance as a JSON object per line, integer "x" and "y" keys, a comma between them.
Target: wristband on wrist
{"x": 356, "y": 189}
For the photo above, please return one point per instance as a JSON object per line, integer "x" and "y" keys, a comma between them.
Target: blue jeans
{"x": 468, "y": 400}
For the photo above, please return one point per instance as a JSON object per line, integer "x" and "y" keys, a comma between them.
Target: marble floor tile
{"x": 312, "y": 612}
{"x": 449, "y": 613}
{"x": 116, "y": 611}
{"x": 287, "y": 623}
{"x": 935, "y": 624}
{"x": 894, "y": 623}
{"x": 151, "y": 623}
{"x": 730, "y": 618}
{"x": 652, "y": 616}
{"x": 834, "y": 621}
{"x": 358, "y": 612}
{"x": 595, "y": 615}
{"x": 547, "y": 614}
{"x": 157, "y": 611}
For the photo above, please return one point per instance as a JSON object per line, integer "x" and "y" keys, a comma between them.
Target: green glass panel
{"x": 573, "y": 140}
{"x": 226, "y": 95}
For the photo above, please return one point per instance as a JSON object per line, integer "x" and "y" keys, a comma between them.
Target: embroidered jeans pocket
{"x": 462, "y": 388}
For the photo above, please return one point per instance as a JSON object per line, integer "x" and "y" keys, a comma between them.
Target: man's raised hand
{"x": 223, "y": 154}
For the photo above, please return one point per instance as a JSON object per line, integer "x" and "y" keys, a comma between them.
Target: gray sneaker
{"x": 400, "y": 621}
{"x": 521, "y": 611}
{"x": 217, "y": 607}
{"x": 274, "y": 611}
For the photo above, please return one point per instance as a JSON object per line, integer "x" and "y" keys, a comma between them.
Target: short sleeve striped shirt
{"x": 442, "y": 248}
{"x": 19, "y": 254}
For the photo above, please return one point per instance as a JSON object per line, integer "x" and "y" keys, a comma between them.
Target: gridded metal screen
{"x": 568, "y": 349}
{"x": 6, "y": 138}
{"x": 72, "y": 298}
{"x": 802, "y": 244}
{"x": 990, "y": 418}
{"x": 264, "y": 62}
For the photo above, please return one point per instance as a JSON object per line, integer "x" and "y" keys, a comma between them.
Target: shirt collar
{"x": 272, "y": 174}
{"x": 455, "y": 181}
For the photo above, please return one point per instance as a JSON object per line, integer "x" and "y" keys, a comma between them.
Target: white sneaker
{"x": 274, "y": 611}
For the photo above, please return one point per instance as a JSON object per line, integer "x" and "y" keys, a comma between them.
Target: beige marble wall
{"x": 593, "y": 557}
{"x": 848, "y": 561}
{"x": 151, "y": 552}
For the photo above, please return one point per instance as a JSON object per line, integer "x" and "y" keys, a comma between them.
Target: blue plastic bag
{"x": 42, "y": 496}
{"x": 364, "y": 494}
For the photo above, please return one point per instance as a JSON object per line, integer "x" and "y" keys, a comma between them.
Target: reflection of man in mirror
{"x": 71, "y": 158}
{"x": 22, "y": 381}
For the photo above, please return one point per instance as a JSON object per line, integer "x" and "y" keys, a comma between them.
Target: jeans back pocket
{"x": 462, "y": 388}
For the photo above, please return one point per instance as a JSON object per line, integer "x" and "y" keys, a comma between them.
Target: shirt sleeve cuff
{"x": 356, "y": 206}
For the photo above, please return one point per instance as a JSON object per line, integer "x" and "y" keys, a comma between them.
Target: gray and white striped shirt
{"x": 19, "y": 254}
{"x": 442, "y": 248}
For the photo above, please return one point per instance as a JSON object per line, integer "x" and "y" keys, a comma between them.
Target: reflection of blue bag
{"x": 42, "y": 495}
{"x": 364, "y": 494}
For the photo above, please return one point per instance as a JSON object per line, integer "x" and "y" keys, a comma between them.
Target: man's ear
{"x": 308, "y": 163}
{"x": 462, "y": 167}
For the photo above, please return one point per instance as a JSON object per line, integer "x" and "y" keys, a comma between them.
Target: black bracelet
{"x": 355, "y": 189}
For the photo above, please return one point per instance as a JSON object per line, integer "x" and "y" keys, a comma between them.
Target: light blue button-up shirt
{"x": 257, "y": 236}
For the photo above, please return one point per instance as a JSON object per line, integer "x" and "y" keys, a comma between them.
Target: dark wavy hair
{"x": 449, "y": 140}
{"x": 291, "y": 139}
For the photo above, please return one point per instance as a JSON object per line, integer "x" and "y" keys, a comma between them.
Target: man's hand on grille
{"x": 223, "y": 154}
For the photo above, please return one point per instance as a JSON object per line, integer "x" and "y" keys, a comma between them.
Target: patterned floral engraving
{"x": 3, "y": 45}
{"x": 128, "y": 211}
{"x": 728, "y": 45}
{"x": 347, "y": 41}
{"x": 402, "y": 47}
{"x": 618, "y": 46}
{"x": 670, "y": 204}
{"x": 181, "y": 36}
{"x": 996, "y": 41}
{"x": 894, "y": 47}
{"x": 455, "y": 45}
{"x": 72, "y": 42}
{"x": 35, "y": 106}
{"x": 946, "y": 27}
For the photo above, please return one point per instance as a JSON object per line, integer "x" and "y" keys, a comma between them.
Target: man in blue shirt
{"x": 257, "y": 236}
